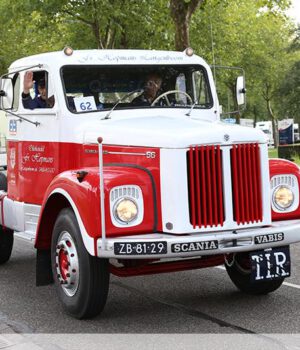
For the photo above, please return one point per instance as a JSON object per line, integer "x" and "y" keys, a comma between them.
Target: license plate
{"x": 270, "y": 264}
{"x": 140, "y": 248}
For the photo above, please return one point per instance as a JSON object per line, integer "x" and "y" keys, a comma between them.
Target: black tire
{"x": 81, "y": 280}
{"x": 3, "y": 182}
{"x": 6, "y": 244}
{"x": 238, "y": 269}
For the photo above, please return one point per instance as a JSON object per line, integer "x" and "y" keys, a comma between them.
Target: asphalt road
{"x": 192, "y": 302}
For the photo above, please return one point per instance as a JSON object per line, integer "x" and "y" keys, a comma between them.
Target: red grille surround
{"x": 246, "y": 183}
{"x": 205, "y": 185}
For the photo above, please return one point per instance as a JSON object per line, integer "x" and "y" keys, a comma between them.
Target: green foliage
{"x": 289, "y": 93}
{"x": 290, "y": 152}
{"x": 253, "y": 34}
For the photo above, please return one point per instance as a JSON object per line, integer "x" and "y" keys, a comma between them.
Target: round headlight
{"x": 125, "y": 210}
{"x": 283, "y": 197}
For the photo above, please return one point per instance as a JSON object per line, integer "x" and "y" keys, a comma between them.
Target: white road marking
{"x": 291, "y": 285}
{"x": 297, "y": 286}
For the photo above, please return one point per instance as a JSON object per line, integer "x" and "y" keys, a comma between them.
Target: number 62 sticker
{"x": 85, "y": 104}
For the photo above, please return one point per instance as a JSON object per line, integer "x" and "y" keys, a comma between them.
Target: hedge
{"x": 289, "y": 151}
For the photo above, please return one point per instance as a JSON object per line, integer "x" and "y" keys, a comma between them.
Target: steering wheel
{"x": 165, "y": 94}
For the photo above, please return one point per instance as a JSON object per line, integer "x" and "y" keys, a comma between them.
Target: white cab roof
{"x": 107, "y": 57}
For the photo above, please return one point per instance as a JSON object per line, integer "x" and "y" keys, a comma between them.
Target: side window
{"x": 201, "y": 88}
{"x": 35, "y": 90}
{"x": 16, "y": 84}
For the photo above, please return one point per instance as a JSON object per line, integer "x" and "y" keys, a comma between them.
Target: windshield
{"x": 93, "y": 88}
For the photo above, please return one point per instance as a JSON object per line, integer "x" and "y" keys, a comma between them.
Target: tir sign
{"x": 270, "y": 264}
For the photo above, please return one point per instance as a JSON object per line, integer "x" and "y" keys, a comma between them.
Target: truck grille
{"x": 205, "y": 186}
{"x": 206, "y": 190}
{"x": 246, "y": 183}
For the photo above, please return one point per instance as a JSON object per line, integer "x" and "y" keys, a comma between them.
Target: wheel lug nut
{"x": 73, "y": 270}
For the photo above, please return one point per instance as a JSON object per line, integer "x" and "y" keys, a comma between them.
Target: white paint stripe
{"x": 291, "y": 285}
{"x": 297, "y": 286}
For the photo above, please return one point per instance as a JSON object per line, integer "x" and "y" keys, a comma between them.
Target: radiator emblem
{"x": 226, "y": 137}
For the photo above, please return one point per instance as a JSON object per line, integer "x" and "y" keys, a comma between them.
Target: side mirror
{"x": 6, "y": 93}
{"x": 240, "y": 90}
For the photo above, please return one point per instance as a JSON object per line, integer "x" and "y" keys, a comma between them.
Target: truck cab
{"x": 103, "y": 181}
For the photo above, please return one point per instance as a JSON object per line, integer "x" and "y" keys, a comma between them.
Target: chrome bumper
{"x": 280, "y": 233}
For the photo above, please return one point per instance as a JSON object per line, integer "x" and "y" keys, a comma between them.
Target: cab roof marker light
{"x": 68, "y": 51}
{"x": 189, "y": 51}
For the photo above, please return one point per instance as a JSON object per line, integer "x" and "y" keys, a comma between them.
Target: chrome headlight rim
{"x": 278, "y": 206}
{"x": 115, "y": 213}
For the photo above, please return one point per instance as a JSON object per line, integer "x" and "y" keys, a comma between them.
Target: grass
{"x": 273, "y": 153}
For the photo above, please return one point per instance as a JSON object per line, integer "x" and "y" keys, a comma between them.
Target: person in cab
{"x": 40, "y": 100}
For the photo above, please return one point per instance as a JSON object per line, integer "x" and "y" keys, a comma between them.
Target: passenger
{"x": 152, "y": 89}
{"x": 39, "y": 101}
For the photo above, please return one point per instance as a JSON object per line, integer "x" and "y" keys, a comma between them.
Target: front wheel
{"x": 238, "y": 268}
{"x": 81, "y": 280}
{"x": 6, "y": 244}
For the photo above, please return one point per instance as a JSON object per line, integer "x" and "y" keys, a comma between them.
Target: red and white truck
{"x": 103, "y": 185}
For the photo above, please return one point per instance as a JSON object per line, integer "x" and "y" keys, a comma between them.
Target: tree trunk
{"x": 255, "y": 116}
{"x": 96, "y": 31}
{"x": 181, "y": 13}
{"x": 274, "y": 123}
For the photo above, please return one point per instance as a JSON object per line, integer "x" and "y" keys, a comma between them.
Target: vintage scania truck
{"x": 103, "y": 185}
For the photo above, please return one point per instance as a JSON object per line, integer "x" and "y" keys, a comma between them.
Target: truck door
{"x": 32, "y": 143}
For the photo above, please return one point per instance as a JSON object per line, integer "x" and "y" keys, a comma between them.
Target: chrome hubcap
{"x": 66, "y": 264}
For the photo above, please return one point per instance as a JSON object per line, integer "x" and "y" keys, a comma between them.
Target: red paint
{"x": 85, "y": 195}
{"x": 250, "y": 170}
{"x": 246, "y": 183}
{"x": 171, "y": 266}
{"x": 198, "y": 187}
{"x": 203, "y": 183}
{"x": 33, "y": 166}
{"x": 282, "y": 167}
{"x": 220, "y": 189}
{"x": 205, "y": 186}
{"x": 255, "y": 184}
{"x": 259, "y": 183}
{"x": 192, "y": 189}
{"x": 63, "y": 263}
{"x": 208, "y": 177}
{"x": 214, "y": 187}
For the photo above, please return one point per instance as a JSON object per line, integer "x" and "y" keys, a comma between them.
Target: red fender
{"x": 85, "y": 197}
{"x": 282, "y": 166}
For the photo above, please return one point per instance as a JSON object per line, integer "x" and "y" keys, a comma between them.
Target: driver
{"x": 151, "y": 91}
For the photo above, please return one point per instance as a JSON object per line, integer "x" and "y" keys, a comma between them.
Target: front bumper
{"x": 280, "y": 233}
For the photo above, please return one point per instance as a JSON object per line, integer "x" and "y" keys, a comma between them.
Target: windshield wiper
{"x": 122, "y": 99}
{"x": 190, "y": 111}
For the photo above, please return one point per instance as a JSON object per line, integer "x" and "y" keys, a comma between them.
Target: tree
{"x": 289, "y": 93}
{"x": 110, "y": 23}
{"x": 181, "y": 13}
{"x": 235, "y": 33}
